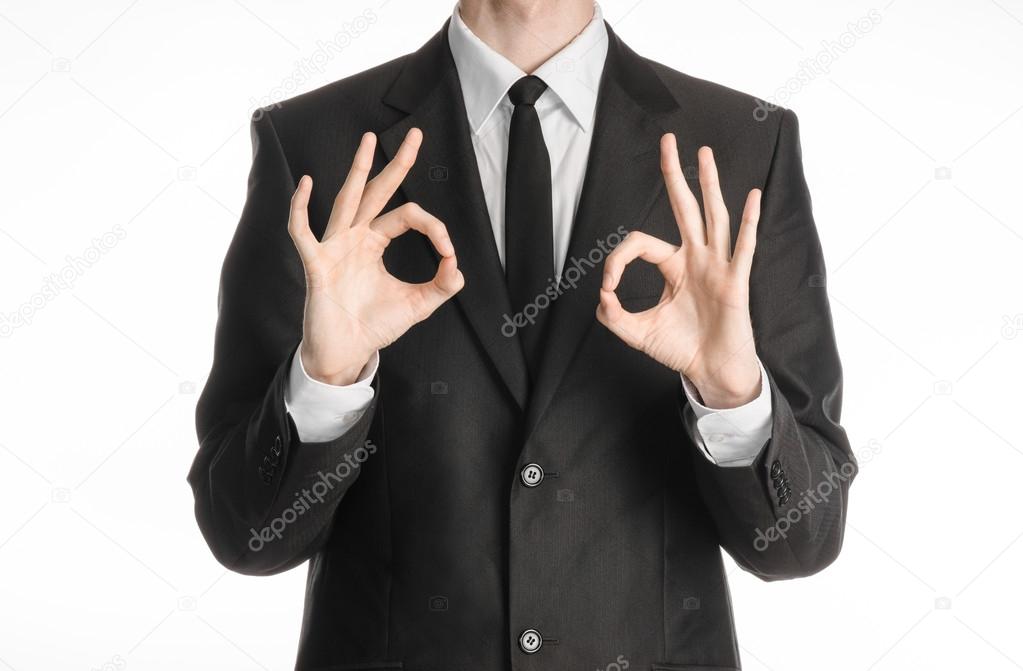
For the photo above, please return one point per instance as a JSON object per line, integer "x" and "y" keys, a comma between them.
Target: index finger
{"x": 412, "y": 217}
{"x": 635, "y": 246}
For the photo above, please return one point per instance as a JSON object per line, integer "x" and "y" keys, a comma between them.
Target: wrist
{"x": 723, "y": 390}
{"x": 340, "y": 373}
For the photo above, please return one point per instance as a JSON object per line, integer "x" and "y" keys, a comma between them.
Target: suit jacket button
{"x": 776, "y": 469}
{"x": 531, "y": 475}
{"x": 530, "y": 641}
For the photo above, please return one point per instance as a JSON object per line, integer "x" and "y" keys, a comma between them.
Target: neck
{"x": 526, "y": 32}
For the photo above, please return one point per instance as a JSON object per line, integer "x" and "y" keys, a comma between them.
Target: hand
{"x": 701, "y": 327}
{"x": 353, "y": 306}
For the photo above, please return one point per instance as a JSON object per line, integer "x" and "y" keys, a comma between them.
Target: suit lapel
{"x": 623, "y": 179}
{"x": 445, "y": 181}
{"x": 622, "y": 182}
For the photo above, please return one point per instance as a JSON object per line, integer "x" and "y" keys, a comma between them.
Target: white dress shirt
{"x": 567, "y": 110}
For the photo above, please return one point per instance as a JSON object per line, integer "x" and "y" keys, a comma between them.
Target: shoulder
{"x": 350, "y": 105}
{"x": 741, "y": 115}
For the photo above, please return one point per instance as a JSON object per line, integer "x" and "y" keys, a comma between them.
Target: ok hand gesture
{"x": 701, "y": 327}
{"x": 353, "y": 306}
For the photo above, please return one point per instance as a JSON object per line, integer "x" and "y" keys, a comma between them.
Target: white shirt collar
{"x": 572, "y": 74}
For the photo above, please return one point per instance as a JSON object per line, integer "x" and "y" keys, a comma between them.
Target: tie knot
{"x": 526, "y": 91}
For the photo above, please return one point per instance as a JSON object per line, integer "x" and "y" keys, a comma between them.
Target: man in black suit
{"x": 498, "y": 481}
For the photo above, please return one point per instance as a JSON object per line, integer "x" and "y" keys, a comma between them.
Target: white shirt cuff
{"x": 732, "y": 436}
{"x": 324, "y": 412}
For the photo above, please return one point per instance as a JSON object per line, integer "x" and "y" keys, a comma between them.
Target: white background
{"x": 131, "y": 117}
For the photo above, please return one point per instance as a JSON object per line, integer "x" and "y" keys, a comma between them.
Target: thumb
{"x": 446, "y": 283}
{"x": 618, "y": 320}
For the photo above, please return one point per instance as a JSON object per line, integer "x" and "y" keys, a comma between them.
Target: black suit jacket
{"x": 427, "y": 552}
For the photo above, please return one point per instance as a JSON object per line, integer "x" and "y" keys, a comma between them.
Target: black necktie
{"x": 528, "y": 221}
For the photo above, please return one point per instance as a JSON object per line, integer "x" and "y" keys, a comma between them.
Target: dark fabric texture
{"x": 426, "y": 550}
{"x": 529, "y": 219}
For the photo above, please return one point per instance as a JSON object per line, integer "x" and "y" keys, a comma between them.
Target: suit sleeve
{"x": 783, "y": 516}
{"x": 264, "y": 500}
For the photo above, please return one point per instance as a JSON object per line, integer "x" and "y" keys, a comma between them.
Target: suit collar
{"x": 572, "y": 75}
{"x": 445, "y": 181}
{"x": 423, "y": 71}
{"x": 622, "y": 182}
